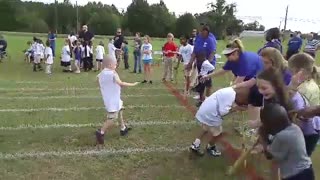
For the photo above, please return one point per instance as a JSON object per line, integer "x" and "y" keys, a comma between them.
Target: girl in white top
{"x": 65, "y": 57}
{"x": 110, "y": 87}
{"x": 37, "y": 55}
{"x": 146, "y": 49}
{"x": 42, "y": 47}
{"x": 211, "y": 112}
{"x": 100, "y": 52}
{"x": 112, "y": 49}
{"x": 49, "y": 58}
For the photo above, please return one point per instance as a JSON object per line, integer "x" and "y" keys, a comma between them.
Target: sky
{"x": 301, "y": 16}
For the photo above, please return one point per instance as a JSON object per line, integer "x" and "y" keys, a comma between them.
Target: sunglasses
{"x": 119, "y": 32}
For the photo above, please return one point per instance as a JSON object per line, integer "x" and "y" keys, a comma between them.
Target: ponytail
{"x": 238, "y": 43}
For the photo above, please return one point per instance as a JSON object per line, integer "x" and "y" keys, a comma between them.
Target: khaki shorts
{"x": 187, "y": 72}
{"x": 113, "y": 115}
{"x": 214, "y": 130}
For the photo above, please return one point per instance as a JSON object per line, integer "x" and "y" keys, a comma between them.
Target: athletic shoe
{"x": 150, "y": 82}
{"x": 99, "y": 137}
{"x": 144, "y": 81}
{"x": 196, "y": 97}
{"x": 213, "y": 151}
{"x": 77, "y": 72}
{"x": 196, "y": 149}
{"x": 125, "y": 131}
{"x": 199, "y": 104}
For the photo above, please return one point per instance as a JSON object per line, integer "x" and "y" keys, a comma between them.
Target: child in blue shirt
{"x": 77, "y": 56}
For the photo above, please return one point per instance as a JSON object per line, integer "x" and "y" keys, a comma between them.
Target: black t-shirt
{"x": 86, "y": 36}
{"x": 118, "y": 40}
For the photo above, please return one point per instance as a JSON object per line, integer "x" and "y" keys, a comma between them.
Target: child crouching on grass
{"x": 210, "y": 116}
{"x": 110, "y": 87}
{"x": 287, "y": 146}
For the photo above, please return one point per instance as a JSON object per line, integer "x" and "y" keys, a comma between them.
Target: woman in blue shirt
{"x": 52, "y": 39}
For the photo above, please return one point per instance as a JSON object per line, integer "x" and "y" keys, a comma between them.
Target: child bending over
{"x": 211, "y": 112}
{"x": 110, "y": 87}
{"x": 287, "y": 146}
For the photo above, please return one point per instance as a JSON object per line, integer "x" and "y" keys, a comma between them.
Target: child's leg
{"x": 165, "y": 69}
{"x": 216, "y": 132}
{"x": 145, "y": 72}
{"x": 311, "y": 143}
{"x": 148, "y": 69}
{"x": 170, "y": 68}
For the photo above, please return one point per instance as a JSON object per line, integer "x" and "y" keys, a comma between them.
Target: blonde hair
{"x": 304, "y": 61}
{"x": 148, "y": 38}
{"x": 170, "y": 35}
{"x": 236, "y": 44}
{"x": 275, "y": 56}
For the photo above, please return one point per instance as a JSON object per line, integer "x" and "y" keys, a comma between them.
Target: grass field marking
{"x": 87, "y": 108}
{"x": 133, "y": 123}
{"x": 73, "y": 89}
{"x": 78, "y": 97}
{"x": 92, "y": 152}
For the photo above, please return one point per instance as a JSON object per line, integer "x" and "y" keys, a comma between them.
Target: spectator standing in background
{"x": 52, "y": 36}
{"x": 137, "y": 53}
{"x": 86, "y": 35}
{"x": 294, "y": 45}
{"x": 118, "y": 40}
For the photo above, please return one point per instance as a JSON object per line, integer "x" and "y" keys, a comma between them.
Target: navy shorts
{"x": 307, "y": 174}
{"x": 255, "y": 98}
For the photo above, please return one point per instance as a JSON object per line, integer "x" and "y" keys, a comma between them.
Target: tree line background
{"x": 155, "y": 20}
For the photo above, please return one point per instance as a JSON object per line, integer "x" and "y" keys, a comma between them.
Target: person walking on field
{"x": 169, "y": 50}
{"x": 118, "y": 40}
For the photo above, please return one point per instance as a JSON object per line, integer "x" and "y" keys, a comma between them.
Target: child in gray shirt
{"x": 287, "y": 146}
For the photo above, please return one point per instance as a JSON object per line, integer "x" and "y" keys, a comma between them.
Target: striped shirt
{"x": 312, "y": 46}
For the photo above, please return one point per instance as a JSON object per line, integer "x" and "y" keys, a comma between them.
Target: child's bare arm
{"x": 125, "y": 84}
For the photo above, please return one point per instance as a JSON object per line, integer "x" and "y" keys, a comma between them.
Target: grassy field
{"x": 48, "y": 123}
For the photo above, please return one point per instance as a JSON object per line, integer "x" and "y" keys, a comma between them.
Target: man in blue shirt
{"x": 52, "y": 40}
{"x": 294, "y": 45}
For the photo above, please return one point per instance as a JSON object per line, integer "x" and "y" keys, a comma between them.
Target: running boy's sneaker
{"x": 125, "y": 131}
{"x": 99, "y": 137}
{"x": 213, "y": 151}
{"x": 196, "y": 149}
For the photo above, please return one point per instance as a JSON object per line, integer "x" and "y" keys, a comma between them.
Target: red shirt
{"x": 170, "y": 46}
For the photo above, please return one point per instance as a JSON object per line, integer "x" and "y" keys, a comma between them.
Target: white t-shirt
{"x": 186, "y": 52}
{"x": 38, "y": 49}
{"x": 100, "y": 52}
{"x": 42, "y": 50}
{"x": 48, "y": 54}
{"x": 216, "y": 106}
{"x": 146, "y": 47}
{"x": 85, "y": 51}
{"x": 110, "y": 90}
{"x": 72, "y": 39}
{"x": 206, "y": 67}
{"x": 65, "y": 54}
{"x": 112, "y": 50}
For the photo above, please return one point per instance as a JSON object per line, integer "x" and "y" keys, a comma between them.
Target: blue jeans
{"x": 137, "y": 61}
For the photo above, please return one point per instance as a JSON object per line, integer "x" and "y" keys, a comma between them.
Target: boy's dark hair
{"x": 274, "y": 118}
{"x": 185, "y": 37}
{"x": 47, "y": 43}
{"x": 201, "y": 56}
{"x": 273, "y": 33}
{"x": 125, "y": 42}
{"x": 275, "y": 77}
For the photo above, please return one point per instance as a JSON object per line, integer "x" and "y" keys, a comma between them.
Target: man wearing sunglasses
{"x": 118, "y": 40}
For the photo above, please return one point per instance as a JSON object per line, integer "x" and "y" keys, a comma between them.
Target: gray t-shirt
{"x": 137, "y": 45}
{"x": 289, "y": 151}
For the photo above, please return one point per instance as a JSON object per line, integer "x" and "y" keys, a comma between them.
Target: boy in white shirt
{"x": 112, "y": 49}
{"x": 211, "y": 112}
{"x": 100, "y": 52}
{"x": 42, "y": 47}
{"x": 65, "y": 57}
{"x": 37, "y": 55}
{"x": 110, "y": 87}
{"x": 185, "y": 53}
{"x": 204, "y": 67}
{"x": 49, "y": 58}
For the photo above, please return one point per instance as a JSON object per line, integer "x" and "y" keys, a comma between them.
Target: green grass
{"x": 19, "y": 87}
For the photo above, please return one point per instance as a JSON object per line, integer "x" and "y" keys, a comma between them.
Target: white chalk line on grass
{"x": 92, "y": 152}
{"x": 133, "y": 123}
{"x": 54, "y": 109}
{"x": 79, "y": 97}
{"x": 74, "y": 89}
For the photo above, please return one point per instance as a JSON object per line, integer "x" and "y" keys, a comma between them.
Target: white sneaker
{"x": 77, "y": 72}
{"x": 196, "y": 97}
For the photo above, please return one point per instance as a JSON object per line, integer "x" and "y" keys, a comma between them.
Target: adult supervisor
{"x": 118, "y": 40}
{"x": 52, "y": 36}
{"x": 86, "y": 35}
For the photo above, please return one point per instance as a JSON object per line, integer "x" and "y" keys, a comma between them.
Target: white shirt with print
{"x": 146, "y": 47}
{"x": 110, "y": 90}
{"x": 186, "y": 52}
{"x": 206, "y": 67}
{"x": 216, "y": 106}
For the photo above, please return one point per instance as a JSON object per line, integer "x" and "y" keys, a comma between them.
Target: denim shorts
{"x": 147, "y": 61}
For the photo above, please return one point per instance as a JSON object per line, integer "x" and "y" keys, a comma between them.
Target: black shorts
{"x": 65, "y": 64}
{"x": 303, "y": 175}
{"x": 255, "y": 98}
{"x": 99, "y": 60}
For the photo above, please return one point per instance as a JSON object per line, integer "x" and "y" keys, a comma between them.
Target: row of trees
{"x": 155, "y": 19}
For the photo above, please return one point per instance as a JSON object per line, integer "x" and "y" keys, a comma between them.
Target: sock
{"x": 123, "y": 128}
{"x": 101, "y": 132}
{"x": 197, "y": 142}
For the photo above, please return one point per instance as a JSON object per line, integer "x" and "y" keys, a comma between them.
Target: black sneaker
{"x": 199, "y": 103}
{"x": 144, "y": 81}
{"x": 213, "y": 151}
{"x": 196, "y": 150}
{"x": 99, "y": 137}
{"x": 125, "y": 131}
{"x": 150, "y": 82}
